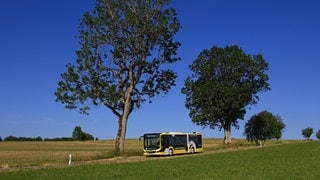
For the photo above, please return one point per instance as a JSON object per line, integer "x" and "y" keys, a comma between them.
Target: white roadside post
{"x": 70, "y": 157}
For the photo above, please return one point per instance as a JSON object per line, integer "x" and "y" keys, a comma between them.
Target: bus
{"x": 169, "y": 143}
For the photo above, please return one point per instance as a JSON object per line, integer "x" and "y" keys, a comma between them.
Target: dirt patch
{"x": 5, "y": 166}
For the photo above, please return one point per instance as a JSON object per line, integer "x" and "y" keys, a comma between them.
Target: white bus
{"x": 169, "y": 143}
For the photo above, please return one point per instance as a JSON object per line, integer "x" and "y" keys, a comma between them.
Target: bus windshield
{"x": 151, "y": 141}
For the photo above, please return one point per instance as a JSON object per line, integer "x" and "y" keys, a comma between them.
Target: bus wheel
{"x": 170, "y": 152}
{"x": 192, "y": 150}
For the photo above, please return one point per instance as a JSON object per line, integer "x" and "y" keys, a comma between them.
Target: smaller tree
{"x": 87, "y": 136}
{"x": 307, "y": 132}
{"x": 0, "y": 138}
{"x": 264, "y": 126}
{"x": 39, "y": 138}
{"x": 318, "y": 134}
{"x": 77, "y": 133}
{"x": 80, "y": 135}
{"x": 10, "y": 138}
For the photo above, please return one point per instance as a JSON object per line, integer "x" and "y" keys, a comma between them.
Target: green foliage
{"x": 288, "y": 161}
{"x": 87, "y": 136}
{"x": 318, "y": 134}
{"x": 264, "y": 126}
{"x": 123, "y": 45}
{"x": 79, "y": 135}
{"x": 13, "y": 138}
{"x": 59, "y": 139}
{"x": 224, "y": 82}
{"x": 0, "y": 138}
{"x": 307, "y": 132}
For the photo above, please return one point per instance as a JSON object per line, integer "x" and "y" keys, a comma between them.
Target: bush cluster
{"x": 13, "y": 138}
{"x": 80, "y": 135}
{"x": 59, "y": 139}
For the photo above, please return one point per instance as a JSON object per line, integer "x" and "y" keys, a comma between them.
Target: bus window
{"x": 151, "y": 141}
{"x": 180, "y": 140}
{"x": 197, "y": 139}
{"x": 165, "y": 141}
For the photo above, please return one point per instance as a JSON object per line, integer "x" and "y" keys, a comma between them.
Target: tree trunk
{"x": 122, "y": 122}
{"x": 227, "y": 134}
{"x": 121, "y": 135}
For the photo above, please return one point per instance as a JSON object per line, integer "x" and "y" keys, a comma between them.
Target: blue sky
{"x": 37, "y": 40}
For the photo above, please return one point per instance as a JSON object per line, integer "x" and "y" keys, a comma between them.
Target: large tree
{"x": 123, "y": 47}
{"x": 224, "y": 82}
{"x": 264, "y": 126}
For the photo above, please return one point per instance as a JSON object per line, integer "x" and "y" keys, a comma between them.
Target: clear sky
{"x": 37, "y": 40}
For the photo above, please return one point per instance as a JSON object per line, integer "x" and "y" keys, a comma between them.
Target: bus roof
{"x": 171, "y": 133}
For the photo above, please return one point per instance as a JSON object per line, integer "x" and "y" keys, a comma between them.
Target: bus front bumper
{"x": 155, "y": 152}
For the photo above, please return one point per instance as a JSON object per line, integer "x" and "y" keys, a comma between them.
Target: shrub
{"x": 80, "y": 135}
{"x": 307, "y": 132}
{"x": 264, "y": 126}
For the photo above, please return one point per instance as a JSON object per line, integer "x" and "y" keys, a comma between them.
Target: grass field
{"x": 30, "y": 155}
{"x": 298, "y": 160}
{"x": 21, "y": 155}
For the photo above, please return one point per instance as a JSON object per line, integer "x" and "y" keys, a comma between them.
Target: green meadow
{"x": 296, "y": 160}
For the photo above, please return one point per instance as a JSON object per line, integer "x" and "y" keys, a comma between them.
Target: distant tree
{"x": 123, "y": 48}
{"x": 318, "y": 134}
{"x": 0, "y": 138}
{"x": 13, "y": 138}
{"x": 88, "y": 137}
{"x": 307, "y": 132}
{"x": 24, "y": 139}
{"x": 224, "y": 82}
{"x": 10, "y": 138}
{"x": 39, "y": 138}
{"x": 66, "y": 139}
{"x": 79, "y": 135}
{"x": 264, "y": 126}
{"x": 59, "y": 139}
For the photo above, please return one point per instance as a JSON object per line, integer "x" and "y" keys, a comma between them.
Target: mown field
{"x": 278, "y": 160}
{"x": 24, "y": 155}
{"x": 34, "y": 155}
{"x": 30, "y": 155}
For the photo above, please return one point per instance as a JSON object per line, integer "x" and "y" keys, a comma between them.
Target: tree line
{"x": 77, "y": 135}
